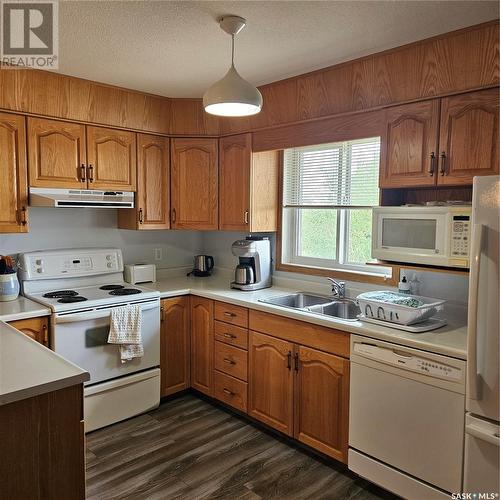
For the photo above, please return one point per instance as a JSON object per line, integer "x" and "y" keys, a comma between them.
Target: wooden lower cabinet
{"x": 270, "y": 398}
{"x": 175, "y": 345}
{"x": 202, "y": 344}
{"x": 322, "y": 402}
{"x": 43, "y": 446}
{"x": 36, "y": 328}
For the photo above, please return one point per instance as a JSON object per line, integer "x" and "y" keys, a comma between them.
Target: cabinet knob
{"x": 83, "y": 173}
{"x": 296, "y": 357}
{"x": 229, "y": 336}
{"x": 229, "y": 361}
{"x": 245, "y": 217}
{"x": 228, "y": 392}
{"x": 141, "y": 218}
{"x": 23, "y": 216}
{"x": 174, "y": 215}
{"x": 162, "y": 313}
{"x": 289, "y": 360}
{"x": 91, "y": 173}
{"x": 229, "y": 314}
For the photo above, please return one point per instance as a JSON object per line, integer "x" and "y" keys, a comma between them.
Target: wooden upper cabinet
{"x": 234, "y": 192}
{"x": 56, "y": 153}
{"x": 248, "y": 193}
{"x": 409, "y": 157}
{"x": 202, "y": 344}
{"x": 194, "y": 183}
{"x": 270, "y": 381}
{"x": 322, "y": 402}
{"x": 111, "y": 156}
{"x": 152, "y": 204}
{"x": 175, "y": 345}
{"x": 36, "y": 328}
{"x": 469, "y": 136}
{"x": 13, "y": 185}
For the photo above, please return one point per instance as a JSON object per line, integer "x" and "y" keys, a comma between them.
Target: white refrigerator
{"x": 482, "y": 427}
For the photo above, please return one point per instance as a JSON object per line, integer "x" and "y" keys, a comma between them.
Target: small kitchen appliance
{"x": 253, "y": 271}
{"x": 203, "y": 265}
{"x": 432, "y": 235}
{"x": 140, "y": 273}
{"x": 81, "y": 287}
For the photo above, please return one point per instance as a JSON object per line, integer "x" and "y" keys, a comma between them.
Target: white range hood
{"x": 64, "y": 198}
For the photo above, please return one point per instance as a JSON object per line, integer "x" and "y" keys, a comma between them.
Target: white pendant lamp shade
{"x": 232, "y": 95}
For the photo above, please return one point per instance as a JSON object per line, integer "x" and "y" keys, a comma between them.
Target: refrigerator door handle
{"x": 475, "y": 268}
{"x": 483, "y": 434}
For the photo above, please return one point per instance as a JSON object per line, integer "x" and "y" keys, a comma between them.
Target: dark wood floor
{"x": 190, "y": 449}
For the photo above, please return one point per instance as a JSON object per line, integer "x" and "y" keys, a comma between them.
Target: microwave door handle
{"x": 73, "y": 318}
{"x": 477, "y": 243}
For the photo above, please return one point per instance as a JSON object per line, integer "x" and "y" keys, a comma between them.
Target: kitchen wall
{"x": 53, "y": 228}
{"x": 447, "y": 286}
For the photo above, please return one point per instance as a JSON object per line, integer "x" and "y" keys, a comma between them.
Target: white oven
{"x": 82, "y": 338}
{"x": 422, "y": 235}
{"x": 116, "y": 390}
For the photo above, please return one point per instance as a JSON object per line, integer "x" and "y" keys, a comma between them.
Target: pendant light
{"x": 232, "y": 96}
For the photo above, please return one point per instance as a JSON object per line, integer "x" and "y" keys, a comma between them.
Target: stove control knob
{"x": 108, "y": 257}
{"x": 39, "y": 270}
{"x": 39, "y": 262}
{"x": 109, "y": 264}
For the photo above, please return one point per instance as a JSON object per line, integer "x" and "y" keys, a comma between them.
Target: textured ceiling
{"x": 177, "y": 49}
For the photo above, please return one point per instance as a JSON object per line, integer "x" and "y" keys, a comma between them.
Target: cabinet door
{"x": 111, "y": 159}
{"x": 152, "y": 204}
{"x": 234, "y": 192}
{"x": 36, "y": 328}
{"x": 322, "y": 402}
{"x": 270, "y": 381}
{"x": 194, "y": 183}
{"x": 13, "y": 185}
{"x": 468, "y": 137}
{"x": 409, "y": 157}
{"x": 175, "y": 345}
{"x": 56, "y": 154}
{"x": 202, "y": 344}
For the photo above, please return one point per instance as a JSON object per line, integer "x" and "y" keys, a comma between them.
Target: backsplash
{"x": 54, "y": 228}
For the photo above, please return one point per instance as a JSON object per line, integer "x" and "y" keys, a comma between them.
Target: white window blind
{"x": 336, "y": 175}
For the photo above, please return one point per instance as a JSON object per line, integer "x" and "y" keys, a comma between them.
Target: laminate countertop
{"x": 449, "y": 340}
{"x": 29, "y": 369}
{"x": 21, "y": 308}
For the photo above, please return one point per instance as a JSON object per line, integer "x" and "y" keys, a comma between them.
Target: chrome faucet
{"x": 338, "y": 288}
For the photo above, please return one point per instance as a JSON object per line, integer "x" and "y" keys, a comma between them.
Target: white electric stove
{"x": 81, "y": 287}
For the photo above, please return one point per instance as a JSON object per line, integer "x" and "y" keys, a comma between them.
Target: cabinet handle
{"x": 162, "y": 310}
{"x": 228, "y": 392}
{"x": 91, "y": 173}
{"x": 245, "y": 217}
{"x": 23, "y": 216}
{"x": 229, "y": 361}
{"x": 174, "y": 215}
{"x": 45, "y": 335}
{"x": 83, "y": 176}
{"x": 230, "y": 314}
{"x": 432, "y": 164}
{"x": 141, "y": 219}
{"x": 229, "y": 336}
{"x": 443, "y": 163}
{"x": 289, "y": 360}
{"x": 296, "y": 358}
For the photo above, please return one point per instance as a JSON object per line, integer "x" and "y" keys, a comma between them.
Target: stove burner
{"x": 69, "y": 299}
{"x": 125, "y": 291}
{"x": 60, "y": 294}
{"x": 111, "y": 287}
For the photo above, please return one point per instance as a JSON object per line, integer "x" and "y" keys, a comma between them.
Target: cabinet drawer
{"x": 231, "y": 360}
{"x": 235, "y": 315}
{"x": 230, "y": 334}
{"x": 231, "y": 391}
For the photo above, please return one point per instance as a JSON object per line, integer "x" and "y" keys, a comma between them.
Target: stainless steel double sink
{"x": 345, "y": 309}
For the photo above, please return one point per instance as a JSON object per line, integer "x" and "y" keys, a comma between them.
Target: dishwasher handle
{"x": 377, "y": 353}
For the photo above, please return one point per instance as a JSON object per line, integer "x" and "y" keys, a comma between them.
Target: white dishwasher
{"x": 406, "y": 419}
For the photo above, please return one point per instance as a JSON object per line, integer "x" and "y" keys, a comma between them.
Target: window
{"x": 328, "y": 193}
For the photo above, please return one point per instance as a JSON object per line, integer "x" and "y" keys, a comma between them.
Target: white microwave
{"x": 438, "y": 236}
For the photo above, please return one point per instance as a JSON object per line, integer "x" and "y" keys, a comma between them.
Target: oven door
{"x": 410, "y": 236}
{"x": 82, "y": 338}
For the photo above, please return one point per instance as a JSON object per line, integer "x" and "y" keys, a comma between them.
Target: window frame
{"x": 302, "y": 266}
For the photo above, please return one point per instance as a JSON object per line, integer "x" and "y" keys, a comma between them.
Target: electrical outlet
{"x": 158, "y": 253}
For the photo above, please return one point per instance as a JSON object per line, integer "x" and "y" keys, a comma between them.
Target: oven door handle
{"x": 88, "y": 315}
